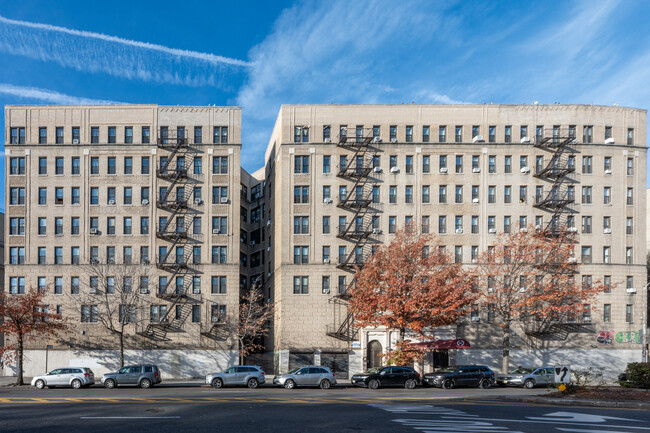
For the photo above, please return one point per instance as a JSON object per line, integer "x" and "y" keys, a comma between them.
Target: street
{"x": 180, "y": 408}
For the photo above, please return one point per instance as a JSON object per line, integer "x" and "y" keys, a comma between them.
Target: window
{"x": 425, "y": 194}
{"x": 629, "y": 229}
{"x": 17, "y": 165}
{"x": 58, "y": 255}
{"x": 218, "y": 285}
{"x": 110, "y": 255}
{"x": 474, "y": 224}
{"x": 327, "y": 133}
{"x": 629, "y": 313}
{"x": 301, "y": 225}
{"x": 94, "y": 195}
{"x": 94, "y": 165}
{"x": 507, "y": 222}
{"x": 74, "y": 225}
{"x": 459, "y": 194}
{"x": 507, "y": 194}
{"x": 110, "y": 195}
{"x": 492, "y": 194}
{"x": 630, "y": 167}
{"x": 425, "y": 225}
{"x": 392, "y": 224}
{"x": 112, "y": 134}
{"x": 301, "y": 165}
{"x": 607, "y": 313}
{"x": 586, "y": 254}
{"x": 442, "y": 194}
{"x": 110, "y": 225}
{"x": 300, "y": 255}
{"x": 408, "y": 194}
{"x": 630, "y": 136}
{"x": 219, "y": 194}
{"x": 586, "y": 195}
{"x": 492, "y": 164}
{"x": 587, "y": 164}
{"x": 196, "y": 225}
{"x": 327, "y": 164}
{"x": 128, "y": 134}
{"x": 442, "y": 224}
{"x": 16, "y": 196}
{"x": 607, "y": 255}
{"x": 587, "y": 134}
{"x": 327, "y": 192}
{"x": 459, "y": 134}
{"x": 629, "y": 196}
{"x": 219, "y": 165}
{"x": 393, "y": 133}
{"x": 586, "y": 224}
{"x": 89, "y": 314}
{"x": 17, "y": 255}
{"x": 539, "y": 133}
{"x": 458, "y": 223}
{"x": 476, "y": 159}
{"x": 220, "y": 225}
{"x": 523, "y": 192}
{"x": 112, "y": 168}
{"x": 17, "y": 136}
{"x": 492, "y": 134}
{"x": 628, "y": 256}
{"x": 300, "y": 285}
{"x": 219, "y": 255}
{"x": 608, "y": 132}
{"x": 74, "y": 285}
{"x": 128, "y": 226}
{"x": 42, "y": 226}
{"x": 508, "y": 134}
{"x": 17, "y": 226}
{"x": 326, "y": 225}
{"x": 539, "y": 163}
{"x": 42, "y": 165}
{"x": 409, "y": 164}
{"x": 459, "y": 163}
{"x": 42, "y": 135}
{"x": 301, "y": 194}
{"x": 220, "y": 135}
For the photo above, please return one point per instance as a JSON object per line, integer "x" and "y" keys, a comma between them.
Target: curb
{"x": 572, "y": 402}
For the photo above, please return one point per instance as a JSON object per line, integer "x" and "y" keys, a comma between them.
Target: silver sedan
{"x": 76, "y": 377}
{"x": 313, "y": 375}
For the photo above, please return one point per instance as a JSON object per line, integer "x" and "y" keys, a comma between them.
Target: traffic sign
{"x": 562, "y": 374}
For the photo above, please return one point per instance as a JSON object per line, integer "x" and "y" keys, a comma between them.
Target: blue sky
{"x": 261, "y": 54}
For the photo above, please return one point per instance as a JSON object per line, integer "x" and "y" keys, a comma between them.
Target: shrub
{"x": 637, "y": 374}
{"x": 592, "y": 376}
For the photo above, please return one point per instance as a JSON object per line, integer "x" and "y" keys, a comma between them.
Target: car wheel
{"x": 252, "y": 383}
{"x": 145, "y": 383}
{"x": 448, "y": 384}
{"x": 217, "y": 383}
{"x": 289, "y": 384}
{"x": 409, "y": 384}
{"x": 529, "y": 384}
{"x": 109, "y": 383}
{"x": 373, "y": 384}
{"x": 325, "y": 384}
{"x": 40, "y": 384}
{"x": 76, "y": 384}
{"x": 485, "y": 383}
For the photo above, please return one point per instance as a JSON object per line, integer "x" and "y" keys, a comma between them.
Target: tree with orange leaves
{"x": 410, "y": 284}
{"x": 530, "y": 281}
{"x": 26, "y": 317}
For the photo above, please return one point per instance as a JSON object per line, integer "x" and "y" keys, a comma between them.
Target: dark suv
{"x": 144, "y": 376}
{"x": 466, "y": 375}
{"x": 387, "y": 376}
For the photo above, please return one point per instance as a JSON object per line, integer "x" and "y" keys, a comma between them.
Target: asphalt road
{"x": 201, "y": 409}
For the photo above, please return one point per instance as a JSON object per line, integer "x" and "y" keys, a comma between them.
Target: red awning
{"x": 443, "y": 344}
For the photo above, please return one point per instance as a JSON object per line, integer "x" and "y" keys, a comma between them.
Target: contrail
{"x": 96, "y": 52}
{"x": 50, "y": 96}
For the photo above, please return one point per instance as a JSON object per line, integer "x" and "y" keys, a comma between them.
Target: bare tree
{"x": 117, "y": 297}
{"x": 253, "y": 323}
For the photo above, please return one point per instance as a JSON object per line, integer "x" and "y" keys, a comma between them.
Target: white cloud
{"x": 51, "y": 96}
{"x": 96, "y": 52}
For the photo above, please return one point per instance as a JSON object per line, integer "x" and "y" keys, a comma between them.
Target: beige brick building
{"x": 465, "y": 173}
{"x": 138, "y": 198}
{"x": 157, "y": 187}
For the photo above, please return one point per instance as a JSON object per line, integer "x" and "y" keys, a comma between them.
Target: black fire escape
{"x": 357, "y": 168}
{"x": 558, "y": 201}
{"x": 176, "y": 207}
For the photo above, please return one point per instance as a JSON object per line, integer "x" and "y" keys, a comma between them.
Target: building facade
{"x": 140, "y": 202}
{"x": 342, "y": 179}
{"x": 153, "y": 190}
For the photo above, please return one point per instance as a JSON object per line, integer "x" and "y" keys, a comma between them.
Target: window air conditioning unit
{"x": 443, "y": 170}
{"x": 586, "y": 319}
{"x": 111, "y": 202}
{"x": 610, "y": 140}
{"x": 393, "y": 140}
{"x": 198, "y": 201}
{"x": 572, "y": 260}
{"x": 525, "y": 170}
{"x": 145, "y": 202}
{"x": 377, "y": 170}
{"x": 607, "y": 231}
{"x": 476, "y": 319}
{"x": 474, "y": 200}
{"x": 459, "y": 231}
{"x": 394, "y": 170}
{"x": 631, "y": 290}
{"x": 75, "y": 141}
{"x": 268, "y": 249}
{"x": 216, "y": 231}
{"x": 145, "y": 262}
{"x": 538, "y": 227}
{"x": 525, "y": 139}
{"x": 522, "y": 290}
{"x": 376, "y": 139}
{"x": 326, "y": 261}
{"x": 608, "y": 171}
{"x": 328, "y": 140}
{"x": 474, "y": 260}
{"x": 523, "y": 230}
{"x": 476, "y": 170}
{"x": 492, "y": 231}
{"x": 224, "y": 200}
{"x": 94, "y": 231}
{"x": 268, "y": 223}
{"x": 326, "y": 291}
{"x": 376, "y": 231}
{"x": 572, "y": 230}
{"x": 478, "y": 139}
{"x": 327, "y": 200}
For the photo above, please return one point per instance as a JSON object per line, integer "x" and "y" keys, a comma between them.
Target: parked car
{"x": 387, "y": 376}
{"x": 540, "y": 376}
{"x": 514, "y": 378}
{"x": 312, "y": 375}
{"x": 248, "y": 375}
{"x": 75, "y": 377}
{"x": 426, "y": 383}
{"x": 465, "y": 375}
{"x": 145, "y": 376}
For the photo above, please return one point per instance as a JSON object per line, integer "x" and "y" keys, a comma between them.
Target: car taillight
{"x": 262, "y": 373}
{"x": 155, "y": 374}
{"x": 87, "y": 374}
{"x": 333, "y": 375}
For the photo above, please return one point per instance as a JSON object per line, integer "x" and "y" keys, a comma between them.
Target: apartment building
{"x": 341, "y": 179}
{"x": 127, "y": 199}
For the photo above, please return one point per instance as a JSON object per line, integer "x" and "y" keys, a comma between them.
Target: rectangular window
{"x": 17, "y": 226}
{"x": 629, "y": 313}
{"x": 459, "y": 194}
{"x": 492, "y": 164}
{"x": 218, "y": 285}
{"x": 327, "y": 168}
{"x": 492, "y": 134}
{"x": 219, "y": 255}
{"x": 326, "y": 225}
{"x": 507, "y": 194}
{"x": 112, "y": 134}
{"x": 426, "y": 133}
{"x": 393, "y": 133}
{"x": 476, "y": 131}
{"x": 219, "y": 165}
{"x": 587, "y": 164}
{"x": 587, "y": 134}
{"x": 16, "y": 196}
{"x": 409, "y": 164}
{"x": 128, "y": 134}
{"x": 630, "y": 136}
{"x": 586, "y": 254}
{"x": 300, "y": 255}
{"x": 17, "y": 165}
{"x": 17, "y": 136}
{"x": 508, "y": 134}
{"x": 42, "y": 135}
{"x": 42, "y": 165}
{"x": 630, "y": 167}
{"x": 112, "y": 165}
{"x": 586, "y": 195}
{"x": 442, "y": 224}
{"x": 301, "y": 165}
{"x": 300, "y": 285}
{"x": 409, "y": 133}
{"x": 459, "y": 163}
{"x": 89, "y": 313}
{"x": 301, "y": 194}
{"x": 74, "y": 225}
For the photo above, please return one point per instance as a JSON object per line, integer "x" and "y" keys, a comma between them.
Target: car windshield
{"x": 373, "y": 370}
{"x": 521, "y": 370}
{"x": 293, "y": 371}
{"x": 124, "y": 370}
{"x": 444, "y": 370}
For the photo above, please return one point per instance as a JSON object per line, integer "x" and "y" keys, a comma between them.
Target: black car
{"x": 465, "y": 375}
{"x": 387, "y": 376}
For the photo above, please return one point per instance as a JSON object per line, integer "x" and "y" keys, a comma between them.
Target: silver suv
{"x": 248, "y": 375}
{"x": 145, "y": 376}
{"x": 75, "y": 377}
{"x": 312, "y": 375}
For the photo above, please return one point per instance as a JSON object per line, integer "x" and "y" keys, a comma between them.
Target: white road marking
{"x": 577, "y": 417}
{"x": 577, "y": 430}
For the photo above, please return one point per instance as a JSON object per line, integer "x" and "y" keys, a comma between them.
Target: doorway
{"x": 374, "y": 354}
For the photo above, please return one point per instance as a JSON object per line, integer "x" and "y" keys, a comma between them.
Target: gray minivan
{"x": 312, "y": 375}
{"x": 145, "y": 376}
{"x": 75, "y": 377}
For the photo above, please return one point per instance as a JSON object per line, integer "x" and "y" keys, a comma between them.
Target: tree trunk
{"x": 241, "y": 352}
{"x": 19, "y": 380}
{"x": 121, "y": 349}
{"x": 505, "y": 362}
